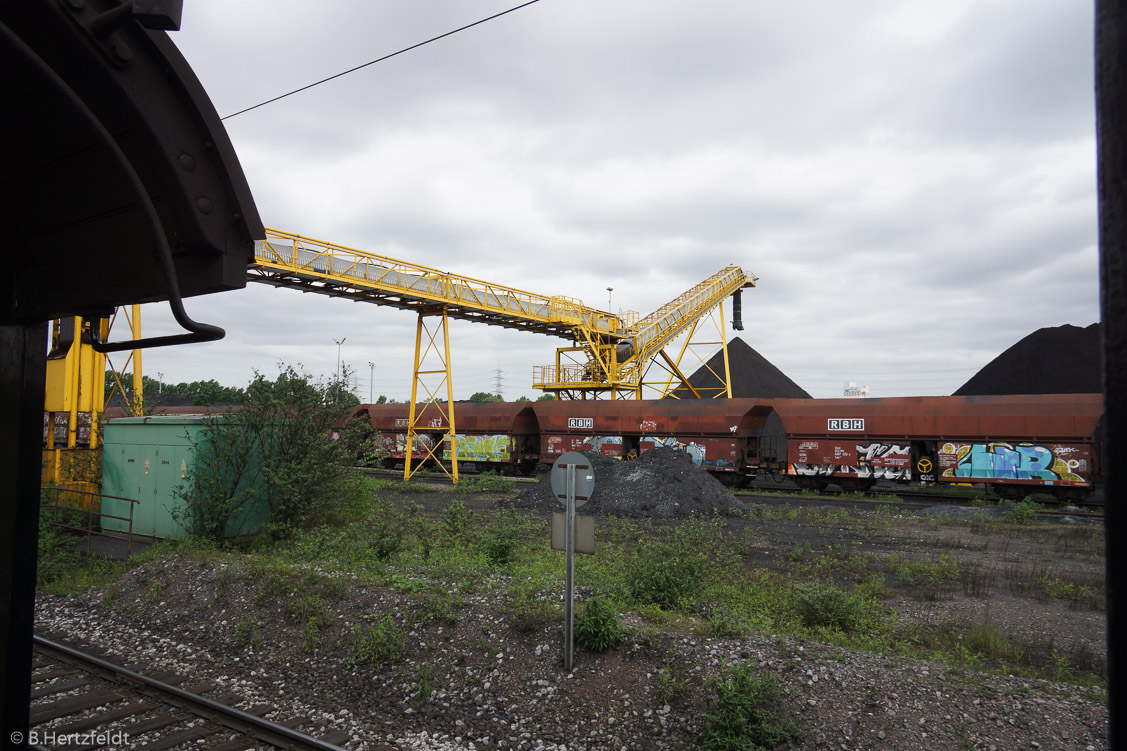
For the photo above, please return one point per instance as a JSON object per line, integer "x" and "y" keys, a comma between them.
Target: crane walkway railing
{"x": 668, "y": 322}
{"x": 619, "y": 347}
{"x": 285, "y": 259}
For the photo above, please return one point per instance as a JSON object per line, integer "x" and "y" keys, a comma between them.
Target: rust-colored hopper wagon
{"x": 721, "y": 435}
{"x": 1013, "y": 444}
{"x": 389, "y": 423}
{"x": 490, "y": 436}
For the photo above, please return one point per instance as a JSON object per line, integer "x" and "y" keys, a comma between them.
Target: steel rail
{"x": 230, "y": 717}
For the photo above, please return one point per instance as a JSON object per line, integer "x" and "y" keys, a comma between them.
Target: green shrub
{"x": 56, "y": 557}
{"x": 305, "y": 607}
{"x": 598, "y": 627}
{"x": 1024, "y": 512}
{"x": 247, "y": 634}
{"x": 529, "y": 611}
{"x": 433, "y": 608}
{"x": 672, "y": 681}
{"x": 375, "y": 645}
{"x": 743, "y": 712}
{"x": 284, "y": 452}
{"x": 989, "y": 640}
{"x": 927, "y": 572}
{"x": 723, "y": 622}
{"x": 456, "y": 521}
{"x": 667, "y": 569}
{"x": 311, "y": 634}
{"x": 825, "y": 606}
{"x": 500, "y": 545}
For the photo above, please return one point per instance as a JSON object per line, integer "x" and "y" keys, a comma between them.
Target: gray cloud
{"x": 913, "y": 182}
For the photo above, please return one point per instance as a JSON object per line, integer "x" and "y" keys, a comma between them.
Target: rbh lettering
{"x": 853, "y": 424}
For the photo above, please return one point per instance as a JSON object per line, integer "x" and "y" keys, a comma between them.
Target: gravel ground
{"x": 471, "y": 676}
{"x": 495, "y": 687}
{"x": 480, "y": 682}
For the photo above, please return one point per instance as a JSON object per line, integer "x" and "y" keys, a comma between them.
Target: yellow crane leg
{"x": 431, "y": 378}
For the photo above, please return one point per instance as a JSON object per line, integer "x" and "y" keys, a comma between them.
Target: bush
{"x": 500, "y": 545}
{"x": 456, "y": 520}
{"x": 667, "y": 569}
{"x": 531, "y": 612}
{"x": 375, "y": 645}
{"x": 743, "y": 712}
{"x": 56, "y": 557}
{"x": 284, "y": 452}
{"x": 598, "y": 627}
{"x": 825, "y": 606}
{"x": 1025, "y": 512}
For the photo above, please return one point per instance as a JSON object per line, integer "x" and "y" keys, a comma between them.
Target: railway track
{"x": 84, "y": 701}
{"x": 435, "y": 478}
{"x": 904, "y": 499}
{"x": 907, "y": 499}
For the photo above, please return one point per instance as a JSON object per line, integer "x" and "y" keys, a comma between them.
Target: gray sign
{"x": 584, "y": 478}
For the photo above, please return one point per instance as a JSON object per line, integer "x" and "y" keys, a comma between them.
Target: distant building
{"x": 855, "y": 390}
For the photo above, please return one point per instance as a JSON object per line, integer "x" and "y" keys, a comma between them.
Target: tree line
{"x": 210, "y": 393}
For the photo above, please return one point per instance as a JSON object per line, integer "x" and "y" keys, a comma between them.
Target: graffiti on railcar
{"x": 607, "y": 445}
{"x": 395, "y": 444}
{"x": 481, "y": 448}
{"x": 877, "y": 460}
{"x": 1048, "y": 463}
{"x": 710, "y": 453}
{"x": 695, "y": 451}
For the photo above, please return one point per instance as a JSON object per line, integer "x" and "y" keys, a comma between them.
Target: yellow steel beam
{"x": 691, "y": 348}
{"x": 287, "y": 260}
{"x": 671, "y": 320}
{"x": 618, "y": 348}
{"x": 424, "y": 377}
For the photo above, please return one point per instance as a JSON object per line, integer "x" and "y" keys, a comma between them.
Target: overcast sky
{"x": 912, "y": 182}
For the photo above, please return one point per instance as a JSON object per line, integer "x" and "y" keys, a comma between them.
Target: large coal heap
{"x": 1053, "y": 360}
{"x": 753, "y": 376}
{"x": 662, "y": 483}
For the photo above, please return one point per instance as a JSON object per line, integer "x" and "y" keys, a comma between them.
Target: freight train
{"x": 1015, "y": 445}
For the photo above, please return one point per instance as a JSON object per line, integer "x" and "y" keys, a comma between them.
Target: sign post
{"x": 573, "y": 480}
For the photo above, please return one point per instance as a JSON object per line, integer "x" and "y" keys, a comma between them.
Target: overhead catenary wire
{"x": 379, "y": 59}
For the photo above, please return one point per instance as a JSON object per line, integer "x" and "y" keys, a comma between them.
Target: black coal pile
{"x": 1053, "y": 360}
{"x": 753, "y": 376}
{"x": 662, "y": 483}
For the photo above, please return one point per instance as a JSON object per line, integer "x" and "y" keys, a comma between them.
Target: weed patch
{"x": 598, "y": 626}
{"x": 376, "y": 644}
{"x": 744, "y": 712}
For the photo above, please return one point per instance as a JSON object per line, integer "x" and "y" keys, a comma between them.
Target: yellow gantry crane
{"x": 75, "y": 399}
{"x": 610, "y": 355}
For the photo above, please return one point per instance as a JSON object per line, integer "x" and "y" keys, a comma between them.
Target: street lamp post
{"x": 609, "y": 308}
{"x": 371, "y": 380}
{"x": 339, "y": 342}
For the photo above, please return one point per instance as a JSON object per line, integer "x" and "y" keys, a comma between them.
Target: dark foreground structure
{"x": 1111, "y": 139}
{"x": 119, "y": 185}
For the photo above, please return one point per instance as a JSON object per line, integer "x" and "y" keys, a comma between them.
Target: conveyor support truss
{"x": 609, "y": 353}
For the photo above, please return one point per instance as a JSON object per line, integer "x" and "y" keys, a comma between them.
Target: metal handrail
{"x": 89, "y": 530}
